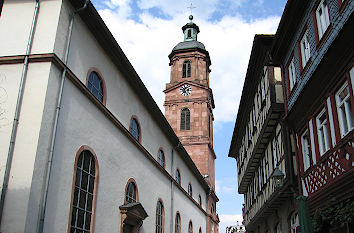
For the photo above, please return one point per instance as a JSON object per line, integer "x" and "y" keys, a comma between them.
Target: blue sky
{"x": 147, "y": 30}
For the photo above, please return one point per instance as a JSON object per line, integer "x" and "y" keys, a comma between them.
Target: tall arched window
{"x": 200, "y": 200}
{"x": 159, "y": 217}
{"x": 96, "y": 85}
{"x": 178, "y": 177}
{"x": 135, "y": 129}
{"x": 161, "y": 158}
{"x": 189, "y": 189}
{"x": 200, "y": 230}
{"x": 83, "y": 197}
{"x": 190, "y": 227}
{"x": 130, "y": 195}
{"x": 178, "y": 223}
{"x": 186, "y": 71}
{"x": 185, "y": 119}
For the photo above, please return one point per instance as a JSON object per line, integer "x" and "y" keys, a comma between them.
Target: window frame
{"x": 309, "y": 156}
{"x": 318, "y": 20}
{"x": 326, "y": 139}
{"x": 278, "y": 228}
{"x": 190, "y": 226}
{"x": 187, "y": 68}
{"x": 292, "y": 79}
{"x": 185, "y": 119}
{"x": 102, "y": 83}
{"x": 133, "y": 182}
{"x": 135, "y": 119}
{"x": 304, "y": 58}
{"x": 159, "y": 217}
{"x": 178, "y": 176}
{"x": 339, "y": 103}
{"x": 80, "y": 151}
{"x": 161, "y": 158}
{"x": 294, "y": 222}
{"x": 178, "y": 223}
{"x": 190, "y": 189}
{"x": 1, "y": 6}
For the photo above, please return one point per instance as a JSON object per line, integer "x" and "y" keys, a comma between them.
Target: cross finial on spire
{"x": 191, "y": 7}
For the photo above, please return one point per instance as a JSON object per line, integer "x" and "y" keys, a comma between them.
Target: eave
{"x": 258, "y": 58}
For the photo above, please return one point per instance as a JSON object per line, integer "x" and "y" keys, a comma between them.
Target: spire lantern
{"x": 190, "y": 30}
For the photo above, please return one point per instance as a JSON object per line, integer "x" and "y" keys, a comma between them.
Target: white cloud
{"x": 148, "y": 43}
{"x": 229, "y": 220}
{"x": 225, "y": 187}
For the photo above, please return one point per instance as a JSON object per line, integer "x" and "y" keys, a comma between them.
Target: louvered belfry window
{"x": 186, "y": 72}
{"x": 185, "y": 119}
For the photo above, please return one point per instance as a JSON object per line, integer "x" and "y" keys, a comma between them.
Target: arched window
{"x": 189, "y": 189}
{"x": 190, "y": 227}
{"x": 83, "y": 197}
{"x": 135, "y": 129}
{"x": 178, "y": 177}
{"x": 186, "y": 71}
{"x": 185, "y": 119}
{"x": 200, "y": 200}
{"x": 130, "y": 195}
{"x": 96, "y": 85}
{"x": 178, "y": 223}
{"x": 200, "y": 230}
{"x": 161, "y": 158}
{"x": 159, "y": 217}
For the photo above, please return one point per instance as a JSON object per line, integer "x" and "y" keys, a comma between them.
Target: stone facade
{"x": 198, "y": 138}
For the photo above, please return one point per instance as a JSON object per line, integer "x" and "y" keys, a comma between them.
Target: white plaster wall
{"x": 15, "y": 24}
{"x": 85, "y": 53}
{"x": 81, "y": 123}
{"x": 17, "y": 195}
{"x": 43, "y": 149}
{"x": 9, "y": 83}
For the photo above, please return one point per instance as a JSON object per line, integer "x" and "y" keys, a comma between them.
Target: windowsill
{"x": 324, "y": 36}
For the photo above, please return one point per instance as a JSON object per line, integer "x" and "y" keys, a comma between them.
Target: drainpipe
{"x": 17, "y": 110}
{"x": 172, "y": 192}
{"x": 55, "y": 126}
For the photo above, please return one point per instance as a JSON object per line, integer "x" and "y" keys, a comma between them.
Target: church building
{"x": 84, "y": 148}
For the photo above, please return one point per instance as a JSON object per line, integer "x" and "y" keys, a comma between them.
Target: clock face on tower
{"x": 185, "y": 90}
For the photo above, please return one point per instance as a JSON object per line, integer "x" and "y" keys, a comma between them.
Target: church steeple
{"x": 189, "y": 108}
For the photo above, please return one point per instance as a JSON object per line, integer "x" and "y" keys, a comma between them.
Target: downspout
{"x": 172, "y": 191}
{"x": 57, "y": 111}
{"x": 17, "y": 110}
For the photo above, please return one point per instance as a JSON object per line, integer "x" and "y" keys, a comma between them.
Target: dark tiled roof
{"x": 189, "y": 45}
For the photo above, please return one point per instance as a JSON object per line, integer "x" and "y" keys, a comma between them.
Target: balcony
{"x": 267, "y": 202}
{"x": 333, "y": 175}
{"x": 267, "y": 120}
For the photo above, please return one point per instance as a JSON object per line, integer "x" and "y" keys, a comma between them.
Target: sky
{"x": 147, "y": 31}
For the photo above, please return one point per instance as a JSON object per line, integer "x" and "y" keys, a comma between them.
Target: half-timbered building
{"x": 262, "y": 148}
{"x": 314, "y": 46}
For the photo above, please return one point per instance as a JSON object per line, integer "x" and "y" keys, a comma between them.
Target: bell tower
{"x": 189, "y": 108}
